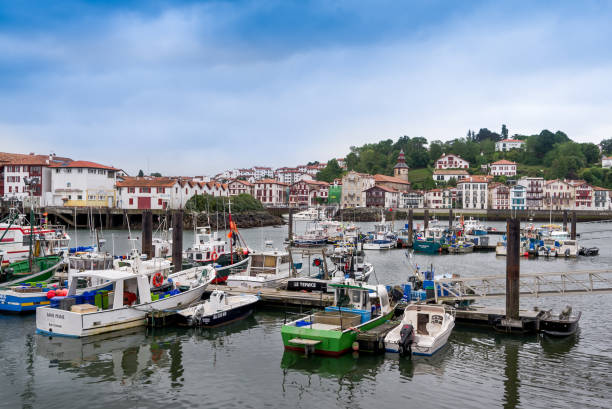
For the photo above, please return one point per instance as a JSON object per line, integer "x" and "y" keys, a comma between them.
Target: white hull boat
{"x": 423, "y": 331}
{"x": 122, "y": 312}
{"x": 219, "y": 309}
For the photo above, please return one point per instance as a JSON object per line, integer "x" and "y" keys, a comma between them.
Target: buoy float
{"x": 50, "y": 294}
{"x": 355, "y": 346}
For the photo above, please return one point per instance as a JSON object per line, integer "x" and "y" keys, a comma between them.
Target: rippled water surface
{"x": 244, "y": 365}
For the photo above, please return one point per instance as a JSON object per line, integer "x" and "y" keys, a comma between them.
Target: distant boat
{"x": 560, "y": 325}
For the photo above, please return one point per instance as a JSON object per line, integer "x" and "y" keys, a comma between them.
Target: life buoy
{"x": 158, "y": 280}
{"x": 214, "y": 256}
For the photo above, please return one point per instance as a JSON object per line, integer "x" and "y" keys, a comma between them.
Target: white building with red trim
{"x": 445, "y": 175}
{"x": 308, "y": 193}
{"x": 17, "y": 169}
{"x": 502, "y": 168}
{"x": 271, "y": 192}
{"x": 147, "y": 193}
{"x": 451, "y": 161}
{"x": 237, "y": 187}
{"x": 508, "y": 144}
{"x": 82, "y": 183}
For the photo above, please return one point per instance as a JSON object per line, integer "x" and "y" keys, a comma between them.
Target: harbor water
{"x": 243, "y": 365}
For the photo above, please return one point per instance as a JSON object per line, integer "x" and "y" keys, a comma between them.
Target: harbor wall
{"x": 369, "y": 214}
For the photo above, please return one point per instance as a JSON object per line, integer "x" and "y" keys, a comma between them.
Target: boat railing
{"x": 293, "y": 315}
{"x": 450, "y": 310}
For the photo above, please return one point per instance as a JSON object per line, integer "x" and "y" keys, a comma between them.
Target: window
{"x": 10, "y": 189}
{"x": 91, "y": 197}
{"x": 67, "y": 170}
{"x": 145, "y": 190}
{"x": 159, "y": 202}
{"x": 131, "y": 200}
{"x": 79, "y": 170}
{"x": 161, "y": 190}
{"x": 57, "y": 170}
{"x": 101, "y": 171}
{"x": 91, "y": 171}
{"x": 80, "y": 197}
{"x": 131, "y": 190}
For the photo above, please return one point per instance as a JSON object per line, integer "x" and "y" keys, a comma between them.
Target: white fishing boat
{"x": 128, "y": 303}
{"x": 266, "y": 268}
{"x": 308, "y": 215}
{"x": 16, "y": 234}
{"x": 219, "y": 309}
{"x": 566, "y": 246}
{"x": 382, "y": 238}
{"x": 433, "y": 323}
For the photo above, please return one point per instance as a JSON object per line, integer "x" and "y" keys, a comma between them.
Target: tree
{"x": 606, "y": 146}
{"x": 504, "y": 132}
{"x": 590, "y": 152}
{"x": 140, "y": 173}
{"x": 485, "y": 134}
{"x": 330, "y": 172}
{"x": 436, "y": 148}
{"x": 156, "y": 174}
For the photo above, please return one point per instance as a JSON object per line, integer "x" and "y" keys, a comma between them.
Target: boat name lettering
{"x": 52, "y": 315}
{"x": 308, "y": 284}
{"x": 219, "y": 315}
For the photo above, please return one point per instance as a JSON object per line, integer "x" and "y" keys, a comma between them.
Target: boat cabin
{"x": 269, "y": 262}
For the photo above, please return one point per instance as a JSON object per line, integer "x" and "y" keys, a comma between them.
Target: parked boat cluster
{"x": 85, "y": 291}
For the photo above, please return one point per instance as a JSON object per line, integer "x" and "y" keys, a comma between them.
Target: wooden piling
{"x": 426, "y": 219}
{"x": 450, "y": 218}
{"x": 147, "y": 234}
{"x": 573, "y": 225}
{"x": 565, "y": 220}
{"x": 290, "y": 230}
{"x": 410, "y": 228}
{"x": 177, "y": 240}
{"x": 513, "y": 234}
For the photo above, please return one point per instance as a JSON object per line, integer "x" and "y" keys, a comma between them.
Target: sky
{"x": 193, "y": 88}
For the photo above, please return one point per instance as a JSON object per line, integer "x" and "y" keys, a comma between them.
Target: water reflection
{"x": 127, "y": 356}
{"x": 557, "y": 347}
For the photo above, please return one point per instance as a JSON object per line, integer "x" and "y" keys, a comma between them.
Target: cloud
{"x": 195, "y": 89}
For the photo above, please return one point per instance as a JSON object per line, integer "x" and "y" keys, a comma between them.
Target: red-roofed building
{"x": 271, "y": 192}
{"x": 382, "y": 196}
{"x": 146, "y": 192}
{"x": 502, "y": 168}
{"x": 307, "y": 193}
{"x": 25, "y": 176}
{"x": 499, "y": 196}
{"x": 451, "y": 161}
{"x": 473, "y": 192}
{"x": 392, "y": 182}
{"x": 82, "y": 183}
{"x": 507, "y": 144}
{"x": 238, "y": 187}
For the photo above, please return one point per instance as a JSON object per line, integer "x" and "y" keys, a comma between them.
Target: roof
{"x": 271, "y": 182}
{"x": 83, "y": 164}
{"x": 512, "y": 140}
{"x": 606, "y": 158}
{"x": 600, "y": 188}
{"x": 450, "y": 172}
{"x": 503, "y": 162}
{"x": 475, "y": 179}
{"x": 450, "y": 154}
{"x": 23, "y": 159}
{"x": 146, "y": 181}
{"x": 315, "y": 182}
{"x": 385, "y": 188}
{"x": 389, "y": 179}
{"x": 244, "y": 182}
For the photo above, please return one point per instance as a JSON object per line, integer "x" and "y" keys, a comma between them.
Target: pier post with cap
{"x": 513, "y": 229}
{"x": 147, "y": 234}
{"x": 177, "y": 240}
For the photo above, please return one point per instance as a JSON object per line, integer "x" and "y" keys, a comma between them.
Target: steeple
{"x": 400, "y": 170}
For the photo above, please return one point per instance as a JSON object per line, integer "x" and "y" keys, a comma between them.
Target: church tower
{"x": 401, "y": 169}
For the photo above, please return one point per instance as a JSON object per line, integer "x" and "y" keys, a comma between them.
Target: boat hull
{"x": 428, "y": 247}
{"x": 333, "y": 343}
{"x": 55, "y": 322}
{"x": 223, "y": 317}
{"x": 422, "y": 350}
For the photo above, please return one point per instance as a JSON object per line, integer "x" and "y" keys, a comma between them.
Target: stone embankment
{"x": 363, "y": 214}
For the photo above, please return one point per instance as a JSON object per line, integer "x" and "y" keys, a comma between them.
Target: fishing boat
{"x": 18, "y": 238}
{"x": 23, "y": 290}
{"x": 434, "y": 324}
{"x": 461, "y": 247}
{"x": 315, "y": 235}
{"x": 126, "y": 305}
{"x": 209, "y": 248}
{"x": 218, "y": 310}
{"x": 560, "y": 325}
{"x": 566, "y": 246}
{"x": 474, "y": 227}
{"x": 311, "y": 214}
{"x": 403, "y": 237}
{"x": 427, "y": 246}
{"x": 265, "y": 268}
{"x": 333, "y": 331}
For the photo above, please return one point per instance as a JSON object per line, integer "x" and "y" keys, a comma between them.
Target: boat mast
{"x": 231, "y": 233}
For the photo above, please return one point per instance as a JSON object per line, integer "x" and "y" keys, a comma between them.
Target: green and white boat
{"x": 357, "y": 308}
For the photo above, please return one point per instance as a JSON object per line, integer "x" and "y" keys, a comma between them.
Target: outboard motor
{"x": 406, "y": 340}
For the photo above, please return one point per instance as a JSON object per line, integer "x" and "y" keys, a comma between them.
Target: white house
{"x": 412, "y": 200}
{"x": 535, "y": 191}
{"x": 261, "y": 172}
{"x": 507, "y": 144}
{"x": 147, "y": 193}
{"x": 290, "y": 176}
{"x": 238, "y": 187}
{"x": 271, "y": 192}
{"x": 25, "y": 175}
{"x": 606, "y": 161}
{"x": 474, "y": 192}
{"x": 82, "y": 183}
{"x": 502, "y": 168}
{"x": 444, "y": 175}
{"x": 451, "y": 161}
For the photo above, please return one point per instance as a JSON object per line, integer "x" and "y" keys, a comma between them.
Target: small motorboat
{"x": 588, "y": 251}
{"x": 219, "y": 309}
{"x": 560, "y": 325}
{"x": 461, "y": 247}
{"x": 434, "y": 324}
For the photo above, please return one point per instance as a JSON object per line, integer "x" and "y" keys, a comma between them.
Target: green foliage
{"x": 140, "y": 173}
{"x": 606, "y": 146}
{"x": 419, "y": 178}
{"x": 241, "y": 203}
{"x": 156, "y": 174}
{"x": 330, "y": 172}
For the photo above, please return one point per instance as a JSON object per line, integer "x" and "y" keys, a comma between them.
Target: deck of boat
{"x": 276, "y": 297}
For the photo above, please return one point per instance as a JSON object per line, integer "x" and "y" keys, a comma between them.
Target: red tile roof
{"x": 503, "y": 162}
{"x": 270, "y": 182}
{"x": 512, "y": 140}
{"x": 83, "y": 164}
{"x": 146, "y": 181}
{"x": 389, "y": 179}
{"x": 450, "y": 172}
{"x": 385, "y": 188}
